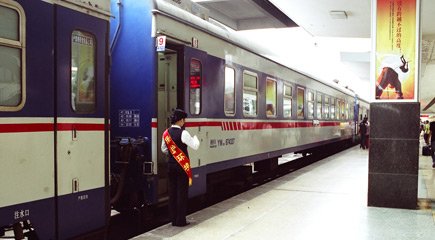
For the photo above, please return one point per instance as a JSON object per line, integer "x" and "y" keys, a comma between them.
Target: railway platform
{"x": 326, "y": 200}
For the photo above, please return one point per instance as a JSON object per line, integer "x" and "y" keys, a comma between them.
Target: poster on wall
{"x": 395, "y": 36}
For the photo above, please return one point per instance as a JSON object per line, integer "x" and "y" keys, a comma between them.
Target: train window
{"x": 338, "y": 107}
{"x": 287, "y": 101}
{"x": 9, "y": 23}
{"x": 310, "y": 104}
{"x": 326, "y": 108}
{"x": 12, "y": 54}
{"x": 351, "y": 111}
{"x": 341, "y": 106}
{"x": 250, "y": 91}
{"x": 83, "y": 72}
{"x": 346, "y": 109}
{"x": 300, "y": 102}
{"x": 333, "y": 108}
{"x": 319, "y": 106}
{"x": 195, "y": 86}
{"x": 270, "y": 97}
{"x": 229, "y": 97}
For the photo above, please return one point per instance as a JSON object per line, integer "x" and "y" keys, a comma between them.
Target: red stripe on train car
{"x": 203, "y": 124}
{"x": 235, "y": 126}
{"x": 26, "y": 127}
{"x": 80, "y": 126}
{"x": 329, "y": 124}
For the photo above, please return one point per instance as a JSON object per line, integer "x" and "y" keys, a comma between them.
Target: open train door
{"x": 167, "y": 74}
{"x": 81, "y": 132}
{"x": 174, "y": 82}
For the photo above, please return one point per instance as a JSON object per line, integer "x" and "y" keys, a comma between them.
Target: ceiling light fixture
{"x": 338, "y": 14}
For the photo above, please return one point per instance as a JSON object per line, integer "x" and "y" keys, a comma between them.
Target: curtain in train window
{"x": 195, "y": 83}
{"x": 351, "y": 111}
{"x": 326, "y": 108}
{"x": 250, "y": 91}
{"x": 83, "y": 72}
{"x": 270, "y": 97}
{"x": 11, "y": 55}
{"x": 341, "y": 109}
{"x": 287, "y": 101}
{"x": 310, "y": 104}
{"x": 319, "y": 106}
{"x": 300, "y": 103}
{"x": 229, "y": 96}
{"x": 346, "y": 109}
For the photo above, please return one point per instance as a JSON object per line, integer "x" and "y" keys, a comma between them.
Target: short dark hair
{"x": 177, "y": 115}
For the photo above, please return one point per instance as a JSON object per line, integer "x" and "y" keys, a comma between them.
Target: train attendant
{"x": 174, "y": 143}
{"x": 363, "y": 133}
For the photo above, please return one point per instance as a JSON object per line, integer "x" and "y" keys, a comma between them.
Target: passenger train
{"x": 86, "y": 88}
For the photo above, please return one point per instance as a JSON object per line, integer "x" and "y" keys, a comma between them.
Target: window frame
{"x": 21, "y": 46}
{"x": 326, "y": 107}
{"x": 333, "y": 102}
{"x": 227, "y": 113}
{"x": 304, "y": 104}
{"x": 200, "y": 88}
{"x": 284, "y": 97}
{"x": 311, "y": 115}
{"x": 252, "y": 74}
{"x": 95, "y": 73}
{"x": 319, "y": 104}
{"x": 269, "y": 79}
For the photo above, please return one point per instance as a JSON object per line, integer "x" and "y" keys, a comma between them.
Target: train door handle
{"x": 74, "y": 134}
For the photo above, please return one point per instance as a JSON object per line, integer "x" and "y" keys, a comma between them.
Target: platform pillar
{"x": 393, "y": 155}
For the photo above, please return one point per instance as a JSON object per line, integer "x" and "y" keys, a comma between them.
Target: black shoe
{"x": 181, "y": 225}
{"x": 433, "y": 165}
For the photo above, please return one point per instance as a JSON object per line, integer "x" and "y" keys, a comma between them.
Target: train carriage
{"x": 71, "y": 71}
{"x": 53, "y": 117}
{"x": 245, "y": 108}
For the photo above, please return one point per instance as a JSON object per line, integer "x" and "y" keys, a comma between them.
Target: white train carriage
{"x": 244, "y": 107}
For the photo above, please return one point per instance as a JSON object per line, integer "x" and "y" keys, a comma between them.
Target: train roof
{"x": 98, "y": 8}
{"x": 199, "y": 19}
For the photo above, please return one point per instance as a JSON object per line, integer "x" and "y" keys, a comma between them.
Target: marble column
{"x": 393, "y": 155}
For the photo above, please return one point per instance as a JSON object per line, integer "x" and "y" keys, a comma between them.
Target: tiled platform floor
{"x": 327, "y": 200}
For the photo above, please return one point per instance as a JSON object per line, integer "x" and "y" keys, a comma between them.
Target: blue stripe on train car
{"x": 40, "y": 213}
{"x": 81, "y": 212}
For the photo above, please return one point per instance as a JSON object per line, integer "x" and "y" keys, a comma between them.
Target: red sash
{"x": 179, "y": 155}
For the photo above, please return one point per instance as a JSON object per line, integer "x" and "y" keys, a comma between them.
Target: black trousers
{"x": 178, "y": 193}
{"x": 363, "y": 143}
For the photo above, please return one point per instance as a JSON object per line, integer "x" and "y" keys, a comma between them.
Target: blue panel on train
{"x": 132, "y": 79}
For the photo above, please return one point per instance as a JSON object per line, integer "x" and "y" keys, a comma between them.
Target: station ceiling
{"x": 327, "y": 18}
